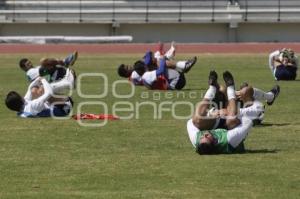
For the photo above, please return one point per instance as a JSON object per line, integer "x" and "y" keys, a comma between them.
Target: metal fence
{"x": 143, "y": 10}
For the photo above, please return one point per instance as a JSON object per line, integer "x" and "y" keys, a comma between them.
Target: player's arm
{"x": 274, "y": 58}
{"x": 38, "y": 104}
{"x": 236, "y": 135}
{"x": 28, "y": 95}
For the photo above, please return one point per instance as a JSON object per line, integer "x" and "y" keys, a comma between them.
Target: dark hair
{"x": 43, "y": 71}
{"x": 205, "y": 148}
{"x": 22, "y": 63}
{"x": 14, "y": 101}
{"x": 139, "y": 67}
{"x": 122, "y": 71}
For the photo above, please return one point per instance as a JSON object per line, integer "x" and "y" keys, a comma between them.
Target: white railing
{"x": 147, "y": 11}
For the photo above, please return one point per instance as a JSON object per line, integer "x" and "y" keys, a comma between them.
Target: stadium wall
{"x": 181, "y": 32}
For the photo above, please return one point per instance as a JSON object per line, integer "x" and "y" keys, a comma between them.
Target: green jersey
{"x": 222, "y": 145}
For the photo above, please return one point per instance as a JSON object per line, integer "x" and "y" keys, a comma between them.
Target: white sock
{"x": 170, "y": 53}
{"x": 230, "y": 92}
{"x": 180, "y": 65}
{"x": 157, "y": 55}
{"x": 210, "y": 93}
{"x": 261, "y": 95}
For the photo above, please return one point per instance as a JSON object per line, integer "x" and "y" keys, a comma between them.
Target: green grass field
{"x": 145, "y": 157}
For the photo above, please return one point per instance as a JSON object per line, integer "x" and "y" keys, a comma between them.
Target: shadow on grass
{"x": 248, "y": 151}
{"x": 272, "y": 124}
{"x": 261, "y": 151}
{"x": 193, "y": 89}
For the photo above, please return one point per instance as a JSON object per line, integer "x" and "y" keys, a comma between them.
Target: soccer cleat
{"x": 189, "y": 64}
{"x": 70, "y": 59}
{"x": 213, "y": 78}
{"x": 275, "y": 90}
{"x": 228, "y": 78}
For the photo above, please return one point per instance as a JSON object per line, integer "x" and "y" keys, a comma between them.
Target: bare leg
{"x": 200, "y": 118}
{"x": 232, "y": 110}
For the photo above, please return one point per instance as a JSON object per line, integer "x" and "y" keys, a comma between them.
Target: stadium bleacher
{"x": 145, "y": 11}
{"x": 116, "y": 12}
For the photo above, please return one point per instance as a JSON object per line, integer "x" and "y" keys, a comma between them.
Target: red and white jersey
{"x": 151, "y": 81}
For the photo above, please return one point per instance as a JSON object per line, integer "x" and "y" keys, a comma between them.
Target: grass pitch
{"x": 147, "y": 156}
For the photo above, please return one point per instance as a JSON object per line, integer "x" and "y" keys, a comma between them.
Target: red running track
{"x": 141, "y": 48}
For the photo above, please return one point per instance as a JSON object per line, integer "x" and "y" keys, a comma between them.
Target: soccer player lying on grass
{"x": 207, "y": 133}
{"x": 151, "y": 62}
{"x": 283, "y": 64}
{"x": 54, "y": 71}
{"x": 54, "y": 65}
{"x": 252, "y": 99}
{"x": 162, "y": 78}
{"x": 41, "y": 106}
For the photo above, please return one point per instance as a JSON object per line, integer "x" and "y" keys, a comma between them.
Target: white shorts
{"x": 149, "y": 77}
{"x": 66, "y": 84}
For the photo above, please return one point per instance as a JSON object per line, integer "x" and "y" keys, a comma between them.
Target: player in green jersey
{"x": 229, "y": 130}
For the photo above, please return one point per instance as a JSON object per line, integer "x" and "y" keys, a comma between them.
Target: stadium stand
{"x": 116, "y": 13}
{"x": 137, "y": 11}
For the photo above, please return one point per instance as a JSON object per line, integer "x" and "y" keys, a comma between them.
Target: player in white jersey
{"x": 42, "y": 106}
{"x": 253, "y": 99}
{"x": 151, "y": 62}
{"x": 162, "y": 78}
{"x": 39, "y": 100}
{"x": 51, "y": 63}
{"x": 283, "y": 64}
{"x": 252, "y": 106}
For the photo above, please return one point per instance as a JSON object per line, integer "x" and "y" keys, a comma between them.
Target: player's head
{"x": 205, "y": 146}
{"x": 124, "y": 71}
{"x": 245, "y": 94}
{"x": 14, "y": 101}
{"x": 139, "y": 67}
{"x": 25, "y": 64}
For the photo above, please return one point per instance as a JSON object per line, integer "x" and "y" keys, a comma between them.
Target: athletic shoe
{"x": 70, "y": 59}
{"x": 275, "y": 90}
{"x": 228, "y": 78}
{"x": 189, "y": 64}
{"x": 213, "y": 78}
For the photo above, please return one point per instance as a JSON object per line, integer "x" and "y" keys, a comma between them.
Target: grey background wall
{"x": 151, "y": 21}
{"x": 188, "y": 33}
